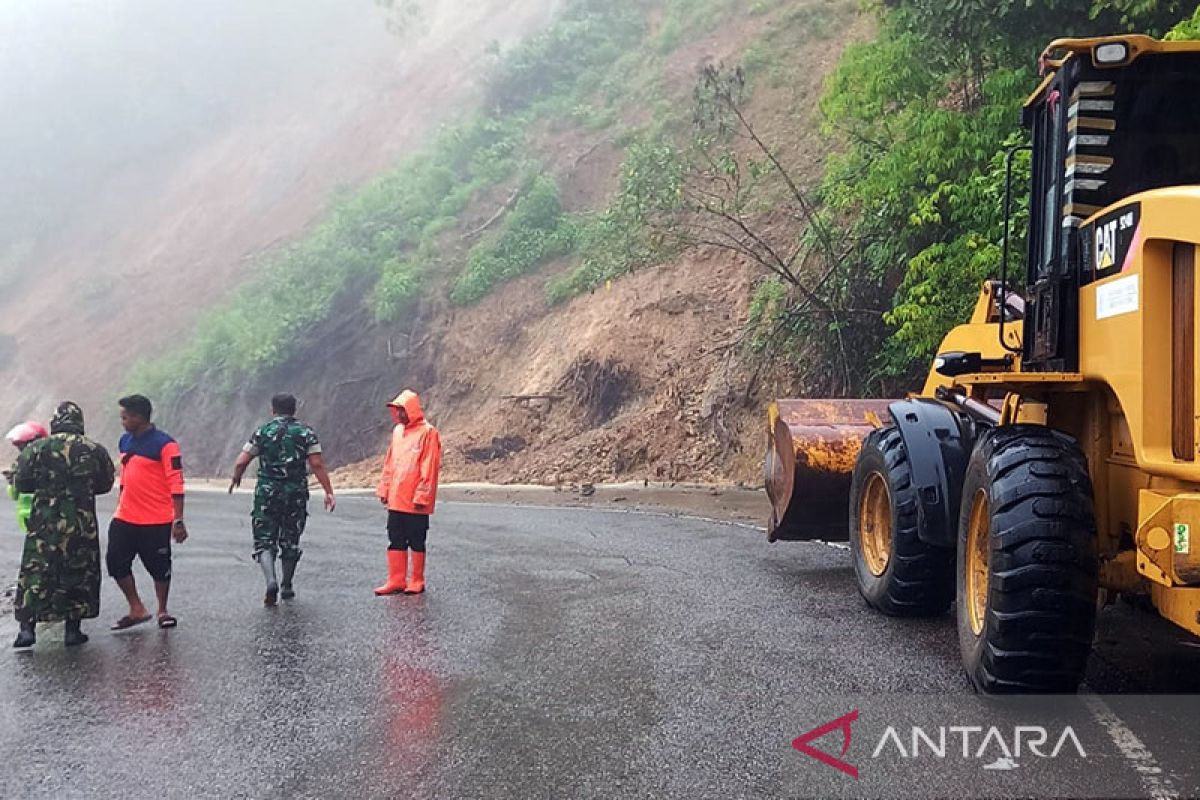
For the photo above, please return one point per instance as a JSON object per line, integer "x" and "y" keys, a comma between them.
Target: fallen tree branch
{"x": 508, "y": 204}
{"x": 587, "y": 153}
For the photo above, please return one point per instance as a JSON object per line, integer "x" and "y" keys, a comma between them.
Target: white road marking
{"x": 1156, "y": 781}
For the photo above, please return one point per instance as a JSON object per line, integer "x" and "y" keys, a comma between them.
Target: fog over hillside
{"x": 95, "y": 88}
{"x": 154, "y": 151}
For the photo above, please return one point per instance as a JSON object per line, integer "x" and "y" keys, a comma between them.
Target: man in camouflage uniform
{"x": 285, "y": 449}
{"x": 60, "y": 566}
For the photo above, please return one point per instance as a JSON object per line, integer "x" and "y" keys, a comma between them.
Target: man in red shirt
{"x": 149, "y": 511}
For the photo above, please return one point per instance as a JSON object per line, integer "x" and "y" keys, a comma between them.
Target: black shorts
{"x": 407, "y": 531}
{"x": 150, "y": 543}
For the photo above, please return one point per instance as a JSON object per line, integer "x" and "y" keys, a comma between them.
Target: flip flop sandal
{"x": 167, "y": 621}
{"x": 126, "y": 622}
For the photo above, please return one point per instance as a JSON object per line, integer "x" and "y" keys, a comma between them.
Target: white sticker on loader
{"x": 1182, "y": 539}
{"x": 1117, "y": 297}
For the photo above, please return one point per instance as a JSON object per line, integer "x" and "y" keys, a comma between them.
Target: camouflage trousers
{"x": 60, "y": 577}
{"x": 280, "y": 512}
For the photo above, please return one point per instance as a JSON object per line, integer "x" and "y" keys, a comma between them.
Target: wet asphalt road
{"x": 558, "y": 653}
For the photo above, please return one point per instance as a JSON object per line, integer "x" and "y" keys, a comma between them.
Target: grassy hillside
{"x": 400, "y": 236}
{"x": 866, "y": 257}
{"x": 927, "y": 111}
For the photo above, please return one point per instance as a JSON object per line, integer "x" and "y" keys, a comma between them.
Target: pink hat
{"x": 27, "y": 432}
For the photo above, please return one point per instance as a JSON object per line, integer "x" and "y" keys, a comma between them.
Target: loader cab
{"x": 1113, "y": 117}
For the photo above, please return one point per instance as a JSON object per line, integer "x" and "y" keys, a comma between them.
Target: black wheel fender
{"x": 939, "y": 440}
{"x": 919, "y": 577}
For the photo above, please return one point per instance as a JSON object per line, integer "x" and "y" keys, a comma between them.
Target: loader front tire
{"x": 896, "y": 572}
{"x": 1027, "y": 565}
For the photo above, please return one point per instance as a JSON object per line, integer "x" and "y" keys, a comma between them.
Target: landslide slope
{"x": 132, "y": 258}
{"x": 644, "y": 377}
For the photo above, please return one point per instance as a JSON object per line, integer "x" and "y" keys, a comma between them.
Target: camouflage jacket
{"x": 65, "y": 471}
{"x": 283, "y": 446}
{"x": 60, "y": 563}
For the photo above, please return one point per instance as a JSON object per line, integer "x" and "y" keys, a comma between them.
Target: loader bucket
{"x": 812, "y": 446}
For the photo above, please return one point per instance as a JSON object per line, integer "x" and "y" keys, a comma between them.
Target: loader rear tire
{"x": 1027, "y": 565}
{"x": 896, "y": 572}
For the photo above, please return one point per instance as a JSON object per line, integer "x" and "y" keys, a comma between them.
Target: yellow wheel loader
{"x": 1050, "y": 463}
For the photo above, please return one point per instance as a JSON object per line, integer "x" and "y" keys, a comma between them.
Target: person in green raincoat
{"x": 60, "y": 565}
{"x": 21, "y": 436}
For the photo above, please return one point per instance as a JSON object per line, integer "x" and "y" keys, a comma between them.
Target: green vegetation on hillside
{"x": 397, "y": 236}
{"x": 1188, "y": 28}
{"x": 927, "y": 111}
{"x": 922, "y": 116}
{"x": 618, "y": 239}
{"x": 386, "y": 232}
{"x": 536, "y": 230}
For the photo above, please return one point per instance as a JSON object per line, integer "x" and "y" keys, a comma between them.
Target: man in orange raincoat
{"x": 408, "y": 487}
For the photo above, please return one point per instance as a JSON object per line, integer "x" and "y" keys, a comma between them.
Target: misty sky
{"x": 91, "y": 87}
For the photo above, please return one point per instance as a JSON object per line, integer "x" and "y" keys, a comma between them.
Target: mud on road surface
{"x": 720, "y": 503}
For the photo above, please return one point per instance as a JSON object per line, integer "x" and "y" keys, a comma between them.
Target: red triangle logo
{"x": 801, "y": 743}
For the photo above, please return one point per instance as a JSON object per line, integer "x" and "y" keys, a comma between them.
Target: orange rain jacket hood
{"x": 414, "y": 458}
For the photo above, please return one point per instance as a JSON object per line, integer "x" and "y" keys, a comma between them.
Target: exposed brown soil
{"x": 160, "y": 245}
{"x": 639, "y": 381}
{"x": 723, "y": 503}
{"x": 645, "y": 380}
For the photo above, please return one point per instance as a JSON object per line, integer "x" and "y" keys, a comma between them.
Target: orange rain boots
{"x": 397, "y": 570}
{"x": 417, "y": 584}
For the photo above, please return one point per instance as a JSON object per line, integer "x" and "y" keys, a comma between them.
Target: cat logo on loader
{"x": 1050, "y": 463}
